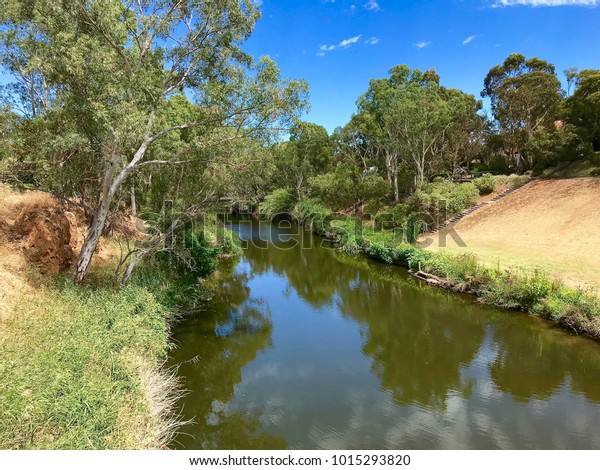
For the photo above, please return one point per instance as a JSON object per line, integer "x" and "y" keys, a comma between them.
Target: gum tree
{"x": 524, "y": 94}
{"x": 115, "y": 65}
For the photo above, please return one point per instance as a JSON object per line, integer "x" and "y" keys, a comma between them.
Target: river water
{"x": 303, "y": 347}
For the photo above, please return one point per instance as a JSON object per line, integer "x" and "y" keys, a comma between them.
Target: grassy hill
{"x": 551, "y": 224}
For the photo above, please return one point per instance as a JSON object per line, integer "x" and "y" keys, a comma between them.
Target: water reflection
{"x": 314, "y": 349}
{"x": 217, "y": 343}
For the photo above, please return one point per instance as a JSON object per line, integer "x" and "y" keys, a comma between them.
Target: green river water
{"x": 305, "y": 348}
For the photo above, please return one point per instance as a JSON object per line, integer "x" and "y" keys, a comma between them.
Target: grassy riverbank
{"x": 81, "y": 366}
{"x": 530, "y": 291}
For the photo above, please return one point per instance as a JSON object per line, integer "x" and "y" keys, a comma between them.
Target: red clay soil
{"x": 553, "y": 225}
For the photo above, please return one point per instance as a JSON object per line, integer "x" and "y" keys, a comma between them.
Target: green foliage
{"x": 118, "y": 109}
{"x": 391, "y": 218}
{"x": 524, "y": 94}
{"x": 307, "y": 154}
{"x": 413, "y": 121}
{"x": 337, "y": 189}
{"x": 440, "y": 200}
{"x": 375, "y": 192}
{"x": 311, "y": 213}
{"x": 485, "y": 184}
{"x": 582, "y": 109}
{"x": 517, "y": 291}
{"x": 76, "y": 366}
{"x": 277, "y": 202}
{"x": 194, "y": 249}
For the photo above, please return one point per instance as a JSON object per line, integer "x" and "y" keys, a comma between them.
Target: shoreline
{"x": 531, "y": 292}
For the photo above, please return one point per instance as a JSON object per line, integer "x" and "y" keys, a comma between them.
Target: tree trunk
{"x": 132, "y": 264}
{"x": 91, "y": 241}
{"x": 396, "y": 190}
{"x": 96, "y": 228}
{"x": 133, "y": 202}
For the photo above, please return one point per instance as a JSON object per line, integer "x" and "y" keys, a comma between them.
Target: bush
{"x": 374, "y": 191}
{"x": 337, "y": 189}
{"x": 314, "y": 215}
{"x": 485, "y": 183}
{"x": 462, "y": 270}
{"x": 517, "y": 291}
{"x": 440, "y": 200}
{"x": 277, "y": 202}
{"x": 391, "y": 218}
{"x": 517, "y": 180}
{"x": 462, "y": 197}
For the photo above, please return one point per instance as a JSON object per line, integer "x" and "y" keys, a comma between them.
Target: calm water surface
{"x": 307, "y": 348}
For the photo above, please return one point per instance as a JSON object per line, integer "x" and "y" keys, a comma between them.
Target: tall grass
{"x": 71, "y": 369}
{"x": 81, "y": 366}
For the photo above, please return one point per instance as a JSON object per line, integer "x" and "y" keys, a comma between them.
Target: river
{"x": 303, "y": 347}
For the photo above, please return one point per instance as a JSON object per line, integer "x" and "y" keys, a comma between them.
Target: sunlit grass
{"x": 80, "y": 367}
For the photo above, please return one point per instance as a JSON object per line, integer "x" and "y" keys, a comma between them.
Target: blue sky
{"x": 339, "y": 45}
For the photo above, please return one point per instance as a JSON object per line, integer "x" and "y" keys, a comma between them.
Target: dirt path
{"x": 550, "y": 224}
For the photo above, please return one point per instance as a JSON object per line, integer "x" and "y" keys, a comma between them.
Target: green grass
{"x": 81, "y": 367}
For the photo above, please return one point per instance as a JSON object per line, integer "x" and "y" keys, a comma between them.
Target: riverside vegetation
{"x": 84, "y": 363}
{"x": 115, "y": 118}
{"x": 531, "y": 291}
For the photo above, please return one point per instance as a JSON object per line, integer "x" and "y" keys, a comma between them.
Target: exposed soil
{"x": 549, "y": 224}
{"x": 46, "y": 232}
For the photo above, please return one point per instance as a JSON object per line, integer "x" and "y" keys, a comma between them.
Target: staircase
{"x": 454, "y": 220}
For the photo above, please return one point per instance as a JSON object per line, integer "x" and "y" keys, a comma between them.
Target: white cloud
{"x": 422, "y": 44}
{"x": 545, "y": 3}
{"x": 345, "y": 43}
{"x": 372, "y": 41}
{"x": 372, "y": 5}
{"x": 469, "y": 39}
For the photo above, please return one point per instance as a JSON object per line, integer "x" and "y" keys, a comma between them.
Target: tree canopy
{"x": 112, "y": 71}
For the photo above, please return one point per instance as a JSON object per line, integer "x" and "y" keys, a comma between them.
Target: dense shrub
{"x": 374, "y": 192}
{"x": 314, "y": 215}
{"x": 391, "y": 218}
{"x": 462, "y": 270}
{"x": 345, "y": 186}
{"x": 279, "y": 201}
{"x": 516, "y": 290}
{"x": 485, "y": 183}
{"x": 337, "y": 189}
{"x": 442, "y": 199}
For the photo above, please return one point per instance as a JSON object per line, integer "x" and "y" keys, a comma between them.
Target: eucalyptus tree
{"x": 307, "y": 153}
{"x": 412, "y": 120}
{"x": 582, "y": 108}
{"x": 524, "y": 95}
{"x": 115, "y": 65}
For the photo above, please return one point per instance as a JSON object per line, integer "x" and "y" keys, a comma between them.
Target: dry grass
{"x": 553, "y": 225}
{"x": 81, "y": 366}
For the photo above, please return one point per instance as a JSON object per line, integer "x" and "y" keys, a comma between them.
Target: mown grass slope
{"x": 549, "y": 224}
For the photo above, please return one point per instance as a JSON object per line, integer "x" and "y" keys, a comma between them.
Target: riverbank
{"x": 550, "y": 224}
{"x": 82, "y": 367}
{"x": 530, "y": 291}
